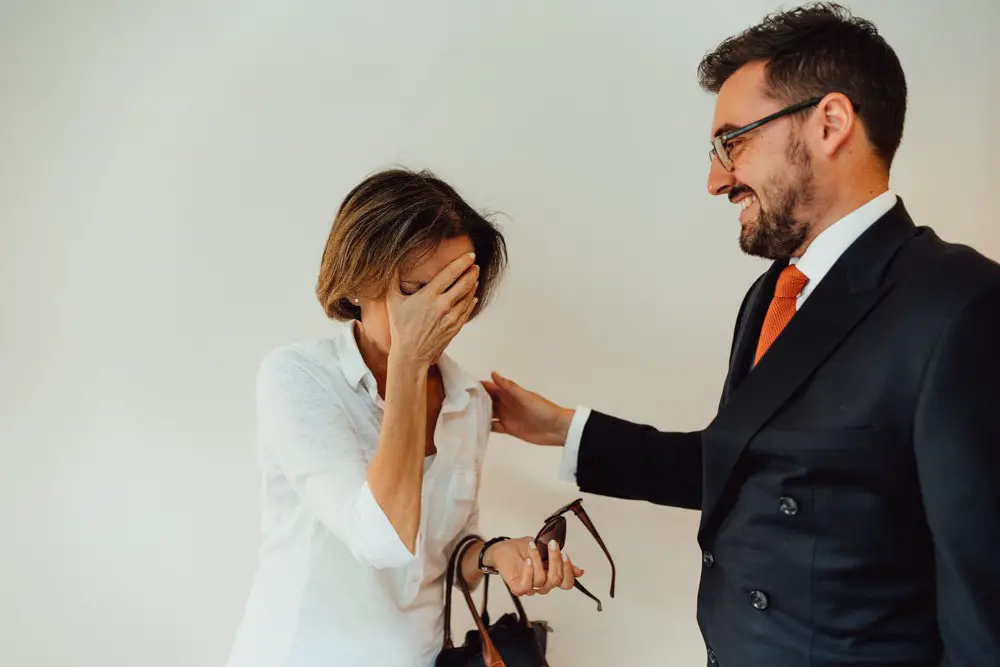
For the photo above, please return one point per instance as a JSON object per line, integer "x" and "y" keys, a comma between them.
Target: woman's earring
{"x": 356, "y": 301}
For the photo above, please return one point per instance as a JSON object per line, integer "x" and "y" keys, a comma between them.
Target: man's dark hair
{"x": 816, "y": 49}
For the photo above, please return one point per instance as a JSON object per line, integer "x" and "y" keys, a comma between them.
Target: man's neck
{"x": 848, "y": 200}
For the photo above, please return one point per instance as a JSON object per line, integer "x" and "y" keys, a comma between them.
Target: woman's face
{"x": 412, "y": 276}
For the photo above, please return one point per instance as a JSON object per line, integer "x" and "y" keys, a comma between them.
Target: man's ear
{"x": 837, "y": 122}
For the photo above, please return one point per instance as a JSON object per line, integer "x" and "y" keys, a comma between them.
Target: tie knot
{"x": 790, "y": 283}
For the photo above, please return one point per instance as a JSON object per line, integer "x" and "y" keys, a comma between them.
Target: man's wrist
{"x": 560, "y": 430}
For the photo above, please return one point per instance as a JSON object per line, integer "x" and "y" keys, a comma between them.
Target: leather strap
{"x": 491, "y": 658}
{"x": 450, "y": 582}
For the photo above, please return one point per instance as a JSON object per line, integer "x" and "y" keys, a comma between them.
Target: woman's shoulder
{"x": 306, "y": 363}
{"x": 305, "y": 355}
{"x": 479, "y": 405}
{"x": 457, "y": 378}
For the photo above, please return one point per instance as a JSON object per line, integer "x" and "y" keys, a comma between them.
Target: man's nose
{"x": 720, "y": 181}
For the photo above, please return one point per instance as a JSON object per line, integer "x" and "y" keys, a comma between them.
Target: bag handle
{"x": 522, "y": 617}
{"x": 491, "y": 658}
{"x": 449, "y": 583}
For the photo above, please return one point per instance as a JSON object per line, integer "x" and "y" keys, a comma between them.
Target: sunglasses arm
{"x": 581, "y": 514}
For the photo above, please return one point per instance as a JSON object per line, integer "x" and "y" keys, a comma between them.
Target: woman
{"x": 371, "y": 442}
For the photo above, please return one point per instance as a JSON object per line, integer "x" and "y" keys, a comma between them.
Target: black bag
{"x": 513, "y": 641}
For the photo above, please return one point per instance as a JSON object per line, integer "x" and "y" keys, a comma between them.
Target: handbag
{"x": 513, "y": 641}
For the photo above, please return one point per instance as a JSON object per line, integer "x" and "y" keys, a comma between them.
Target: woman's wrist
{"x": 487, "y": 552}
{"x": 401, "y": 360}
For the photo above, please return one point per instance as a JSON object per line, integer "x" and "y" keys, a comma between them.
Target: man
{"x": 849, "y": 485}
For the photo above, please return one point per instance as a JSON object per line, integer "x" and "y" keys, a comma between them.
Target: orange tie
{"x": 779, "y": 313}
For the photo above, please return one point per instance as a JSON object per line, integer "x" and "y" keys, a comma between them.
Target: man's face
{"x": 772, "y": 181}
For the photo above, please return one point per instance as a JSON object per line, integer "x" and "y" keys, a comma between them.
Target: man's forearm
{"x": 622, "y": 459}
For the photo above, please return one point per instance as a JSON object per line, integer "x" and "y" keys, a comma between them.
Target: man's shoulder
{"x": 944, "y": 269}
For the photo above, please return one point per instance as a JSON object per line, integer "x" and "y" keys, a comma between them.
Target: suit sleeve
{"x": 957, "y": 444}
{"x": 634, "y": 461}
{"x": 622, "y": 459}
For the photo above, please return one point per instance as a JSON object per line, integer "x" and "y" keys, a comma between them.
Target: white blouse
{"x": 334, "y": 583}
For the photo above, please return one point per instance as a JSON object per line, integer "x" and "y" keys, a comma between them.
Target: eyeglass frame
{"x": 721, "y": 150}
{"x": 553, "y": 520}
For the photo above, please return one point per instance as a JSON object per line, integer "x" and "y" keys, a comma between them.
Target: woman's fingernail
{"x": 565, "y": 557}
{"x": 531, "y": 545}
{"x": 472, "y": 255}
{"x": 552, "y": 545}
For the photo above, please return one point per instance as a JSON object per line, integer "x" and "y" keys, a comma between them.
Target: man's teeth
{"x": 746, "y": 201}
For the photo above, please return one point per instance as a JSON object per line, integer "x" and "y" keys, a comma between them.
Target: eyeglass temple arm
{"x": 581, "y": 514}
{"x": 777, "y": 114}
{"x": 577, "y": 585}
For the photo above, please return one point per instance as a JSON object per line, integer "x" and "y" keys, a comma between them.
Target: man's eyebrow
{"x": 723, "y": 129}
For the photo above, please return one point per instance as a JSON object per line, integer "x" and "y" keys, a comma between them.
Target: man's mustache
{"x": 739, "y": 191}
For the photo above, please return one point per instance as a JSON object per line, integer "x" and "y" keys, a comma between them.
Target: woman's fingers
{"x": 524, "y": 585}
{"x": 555, "y": 573}
{"x": 538, "y": 568}
{"x": 465, "y": 284}
{"x": 449, "y": 274}
{"x": 469, "y": 307}
{"x": 569, "y": 573}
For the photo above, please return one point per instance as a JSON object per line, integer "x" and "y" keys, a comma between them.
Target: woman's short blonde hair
{"x": 393, "y": 217}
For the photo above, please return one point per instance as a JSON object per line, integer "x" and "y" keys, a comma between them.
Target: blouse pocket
{"x": 460, "y": 502}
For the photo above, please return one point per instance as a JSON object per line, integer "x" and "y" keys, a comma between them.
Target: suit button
{"x": 711, "y": 657}
{"x": 758, "y": 600}
{"x": 708, "y": 559}
{"x": 789, "y": 506}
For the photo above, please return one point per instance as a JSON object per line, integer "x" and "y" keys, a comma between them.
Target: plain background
{"x": 168, "y": 174}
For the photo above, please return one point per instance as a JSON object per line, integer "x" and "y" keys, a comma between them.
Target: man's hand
{"x": 527, "y": 415}
{"x": 520, "y": 564}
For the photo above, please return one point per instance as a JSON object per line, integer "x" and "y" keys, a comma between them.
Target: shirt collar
{"x": 458, "y": 385}
{"x": 831, "y": 243}
{"x": 352, "y": 364}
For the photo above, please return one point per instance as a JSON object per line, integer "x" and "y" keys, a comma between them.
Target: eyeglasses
{"x": 555, "y": 529}
{"x": 720, "y": 143}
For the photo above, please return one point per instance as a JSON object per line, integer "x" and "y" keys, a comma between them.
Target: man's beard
{"x": 776, "y": 233}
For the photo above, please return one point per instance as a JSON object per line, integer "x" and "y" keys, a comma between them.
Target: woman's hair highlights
{"x": 393, "y": 217}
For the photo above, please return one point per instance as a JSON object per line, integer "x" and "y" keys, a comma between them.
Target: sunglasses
{"x": 555, "y": 529}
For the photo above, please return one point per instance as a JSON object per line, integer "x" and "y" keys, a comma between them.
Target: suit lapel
{"x": 748, "y": 330}
{"x": 850, "y": 290}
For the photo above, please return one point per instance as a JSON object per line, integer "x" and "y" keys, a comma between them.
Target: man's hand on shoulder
{"x": 527, "y": 415}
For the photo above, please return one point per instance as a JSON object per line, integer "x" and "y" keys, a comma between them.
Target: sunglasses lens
{"x": 553, "y": 530}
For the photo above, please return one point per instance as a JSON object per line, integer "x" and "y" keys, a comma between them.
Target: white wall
{"x": 168, "y": 173}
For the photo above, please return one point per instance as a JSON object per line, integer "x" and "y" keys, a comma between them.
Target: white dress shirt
{"x": 814, "y": 263}
{"x": 335, "y": 585}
